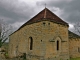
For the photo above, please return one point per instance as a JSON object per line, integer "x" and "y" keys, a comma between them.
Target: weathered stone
{"x": 44, "y": 39}
{"x": 19, "y": 42}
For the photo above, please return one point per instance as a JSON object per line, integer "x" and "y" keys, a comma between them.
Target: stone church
{"x": 44, "y": 37}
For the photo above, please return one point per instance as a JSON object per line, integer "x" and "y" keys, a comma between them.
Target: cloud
{"x": 20, "y": 11}
{"x": 17, "y": 25}
{"x": 13, "y": 11}
{"x": 68, "y": 10}
{"x": 71, "y": 27}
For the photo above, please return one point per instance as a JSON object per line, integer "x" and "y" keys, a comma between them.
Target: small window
{"x": 57, "y": 45}
{"x": 44, "y": 23}
{"x": 31, "y": 43}
{"x": 41, "y": 40}
{"x": 48, "y": 23}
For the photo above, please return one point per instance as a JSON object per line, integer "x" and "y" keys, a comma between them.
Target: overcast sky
{"x": 17, "y": 12}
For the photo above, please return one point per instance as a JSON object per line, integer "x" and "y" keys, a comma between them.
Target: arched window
{"x": 31, "y": 43}
{"x": 57, "y": 45}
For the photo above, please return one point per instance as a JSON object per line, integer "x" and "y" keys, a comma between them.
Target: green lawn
{"x": 75, "y": 58}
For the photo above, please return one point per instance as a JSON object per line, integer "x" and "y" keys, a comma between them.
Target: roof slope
{"x": 73, "y": 35}
{"x": 45, "y": 14}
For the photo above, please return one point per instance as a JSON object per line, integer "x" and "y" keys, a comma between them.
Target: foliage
{"x": 75, "y": 59}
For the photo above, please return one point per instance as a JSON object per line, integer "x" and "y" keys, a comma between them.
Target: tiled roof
{"x": 45, "y": 14}
{"x": 73, "y": 35}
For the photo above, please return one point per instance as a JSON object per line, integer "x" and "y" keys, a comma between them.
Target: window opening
{"x": 57, "y": 45}
{"x": 31, "y": 43}
{"x": 44, "y": 23}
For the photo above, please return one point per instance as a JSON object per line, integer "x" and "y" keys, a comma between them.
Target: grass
{"x": 75, "y": 58}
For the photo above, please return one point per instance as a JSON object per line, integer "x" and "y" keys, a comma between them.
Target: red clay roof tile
{"x": 45, "y": 14}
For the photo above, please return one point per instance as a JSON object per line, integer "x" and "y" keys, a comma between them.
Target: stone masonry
{"x": 44, "y": 37}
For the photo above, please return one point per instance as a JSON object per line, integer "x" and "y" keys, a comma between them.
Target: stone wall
{"x": 45, "y": 35}
{"x": 74, "y": 47}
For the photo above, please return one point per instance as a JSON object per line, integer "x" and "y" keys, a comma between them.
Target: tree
{"x": 5, "y": 31}
{"x": 77, "y": 28}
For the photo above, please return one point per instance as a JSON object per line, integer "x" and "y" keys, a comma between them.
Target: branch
{"x": 4, "y": 40}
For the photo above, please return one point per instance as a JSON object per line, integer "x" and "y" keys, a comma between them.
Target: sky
{"x": 17, "y": 12}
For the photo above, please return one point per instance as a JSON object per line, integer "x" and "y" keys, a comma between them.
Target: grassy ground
{"x": 75, "y": 59}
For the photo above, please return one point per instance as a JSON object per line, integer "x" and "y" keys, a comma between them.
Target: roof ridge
{"x": 45, "y": 13}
